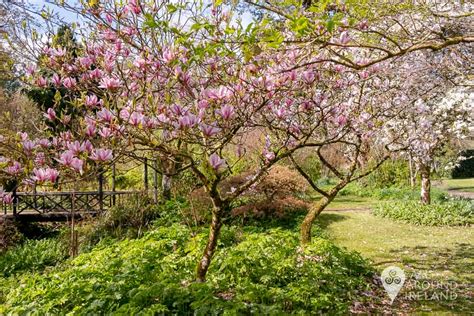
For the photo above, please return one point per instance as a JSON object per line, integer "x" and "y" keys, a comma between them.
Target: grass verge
{"x": 435, "y": 254}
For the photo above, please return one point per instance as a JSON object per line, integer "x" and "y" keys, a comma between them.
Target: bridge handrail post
{"x": 14, "y": 201}
{"x": 101, "y": 190}
{"x": 113, "y": 185}
{"x": 145, "y": 174}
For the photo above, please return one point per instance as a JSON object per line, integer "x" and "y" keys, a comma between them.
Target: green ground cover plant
{"x": 32, "y": 255}
{"x": 256, "y": 270}
{"x": 450, "y": 213}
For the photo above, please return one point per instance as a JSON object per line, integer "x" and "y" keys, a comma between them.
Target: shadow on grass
{"x": 454, "y": 263}
{"x": 439, "y": 280}
{"x": 326, "y": 219}
{"x": 460, "y": 188}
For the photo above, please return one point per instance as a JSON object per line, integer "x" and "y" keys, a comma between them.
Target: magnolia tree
{"x": 186, "y": 83}
{"x": 439, "y": 90}
{"x": 183, "y": 99}
{"x": 358, "y": 96}
{"x": 354, "y": 112}
{"x": 435, "y": 123}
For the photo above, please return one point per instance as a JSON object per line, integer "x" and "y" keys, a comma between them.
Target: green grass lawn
{"x": 348, "y": 202}
{"x": 466, "y": 185}
{"x": 438, "y": 253}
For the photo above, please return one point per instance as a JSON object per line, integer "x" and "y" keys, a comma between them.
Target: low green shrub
{"x": 128, "y": 220}
{"x": 390, "y": 193}
{"x": 451, "y": 213}
{"x": 394, "y": 172}
{"x": 10, "y": 234}
{"x": 32, "y": 255}
{"x": 255, "y": 270}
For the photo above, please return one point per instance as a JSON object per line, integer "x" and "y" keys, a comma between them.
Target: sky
{"x": 70, "y": 17}
{"x": 66, "y": 15}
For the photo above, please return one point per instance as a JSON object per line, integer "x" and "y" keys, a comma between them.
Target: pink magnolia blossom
{"x": 56, "y": 80}
{"x": 140, "y": 63}
{"x": 306, "y": 106}
{"x": 168, "y": 55}
{"x": 86, "y": 61}
{"x": 95, "y": 74}
{"x": 58, "y": 52}
{"x": 14, "y": 169}
{"x": 130, "y": 31}
{"x": 226, "y": 112}
{"x": 45, "y": 174}
{"x": 178, "y": 110}
{"x": 41, "y": 82}
{"x": 203, "y": 104}
{"x": 50, "y": 114}
{"x": 28, "y": 146}
{"x": 109, "y": 18}
{"x": 124, "y": 114}
{"x": 105, "y": 115}
{"x": 136, "y": 119}
{"x": 90, "y": 130}
{"x": 363, "y": 25}
{"x": 66, "y": 136}
{"x": 44, "y": 142}
{"x": 219, "y": 94}
{"x": 187, "y": 121}
{"x": 209, "y": 130}
{"x": 105, "y": 132}
{"x": 101, "y": 154}
{"x": 364, "y": 74}
{"x": 162, "y": 118}
{"x": 23, "y": 135}
{"x": 217, "y": 163}
{"x": 66, "y": 158}
{"x": 91, "y": 101}
{"x": 309, "y": 76}
{"x": 75, "y": 147}
{"x": 280, "y": 113}
{"x": 77, "y": 164}
{"x": 88, "y": 147}
{"x": 341, "y": 120}
{"x": 134, "y": 6}
{"x": 69, "y": 82}
{"x": 110, "y": 83}
{"x": 30, "y": 70}
{"x": 7, "y": 198}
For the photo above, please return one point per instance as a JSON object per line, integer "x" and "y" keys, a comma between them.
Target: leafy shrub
{"x": 132, "y": 179}
{"x": 465, "y": 169}
{"x": 254, "y": 271}
{"x": 452, "y": 213}
{"x": 10, "y": 235}
{"x": 128, "y": 220}
{"x": 32, "y": 255}
{"x": 390, "y": 193}
{"x": 393, "y": 172}
{"x": 275, "y": 195}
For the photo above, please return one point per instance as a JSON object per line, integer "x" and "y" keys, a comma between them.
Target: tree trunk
{"x": 214, "y": 231}
{"x": 168, "y": 168}
{"x": 412, "y": 173}
{"x": 425, "y": 185}
{"x": 166, "y": 184}
{"x": 315, "y": 210}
